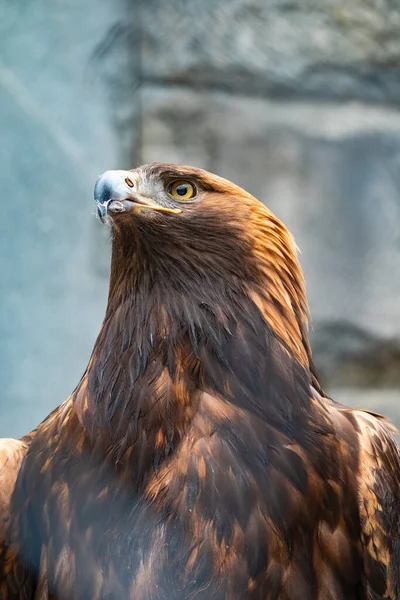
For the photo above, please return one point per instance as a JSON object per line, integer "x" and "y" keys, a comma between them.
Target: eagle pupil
{"x": 182, "y": 190}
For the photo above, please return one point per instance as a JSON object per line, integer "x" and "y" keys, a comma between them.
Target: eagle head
{"x": 186, "y": 230}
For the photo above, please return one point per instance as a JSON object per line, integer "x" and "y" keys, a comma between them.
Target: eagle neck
{"x": 170, "y": 334}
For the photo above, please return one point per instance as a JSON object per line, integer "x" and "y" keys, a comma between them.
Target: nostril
{"x": 129, "y": 182}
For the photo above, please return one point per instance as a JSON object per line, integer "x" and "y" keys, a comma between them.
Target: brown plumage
{"x": 198, "y": 457}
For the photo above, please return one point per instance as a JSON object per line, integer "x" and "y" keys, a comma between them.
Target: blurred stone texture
{"x": 296, "y": 100}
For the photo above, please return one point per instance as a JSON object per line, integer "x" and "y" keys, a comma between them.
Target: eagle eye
{"x": 182, "y": 190}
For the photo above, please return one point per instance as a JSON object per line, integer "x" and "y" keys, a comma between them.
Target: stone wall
{"x": 296, "y": 100}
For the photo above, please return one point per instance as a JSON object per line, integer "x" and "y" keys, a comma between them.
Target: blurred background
{"x": 295, "y": 100}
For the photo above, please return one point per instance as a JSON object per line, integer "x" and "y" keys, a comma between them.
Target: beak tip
{"x": 101, "y": 211}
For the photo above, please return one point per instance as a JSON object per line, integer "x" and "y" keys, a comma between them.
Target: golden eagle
{"x": 198, "y": 458}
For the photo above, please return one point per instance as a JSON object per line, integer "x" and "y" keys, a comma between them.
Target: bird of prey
{"x": 198, "y": 457}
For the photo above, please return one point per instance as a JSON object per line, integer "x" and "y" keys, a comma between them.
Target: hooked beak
{"x": 114, "y": 192}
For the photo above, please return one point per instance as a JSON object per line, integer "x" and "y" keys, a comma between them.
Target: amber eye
{"x": 182, "y": 190}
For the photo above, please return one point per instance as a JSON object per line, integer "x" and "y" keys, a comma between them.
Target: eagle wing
{"x": 12, "y": 453}
{"x": 379, "y": 502}
{"x": 15, "y": 578}
{"x": 378, "y": 486}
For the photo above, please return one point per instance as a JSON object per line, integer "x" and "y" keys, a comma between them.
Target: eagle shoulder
{"x": 12, "y": 453}
{"x": 378, "y": 488}
{"x": 379, "y": 501}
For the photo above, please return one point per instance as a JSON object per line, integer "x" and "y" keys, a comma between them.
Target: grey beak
{"x": 112, "y": 186}
{"x": 114, "y": 192}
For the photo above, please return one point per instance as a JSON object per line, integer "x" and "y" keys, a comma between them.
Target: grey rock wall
{"x": 324, "y": 48}
{"x": 294, "y": 100}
